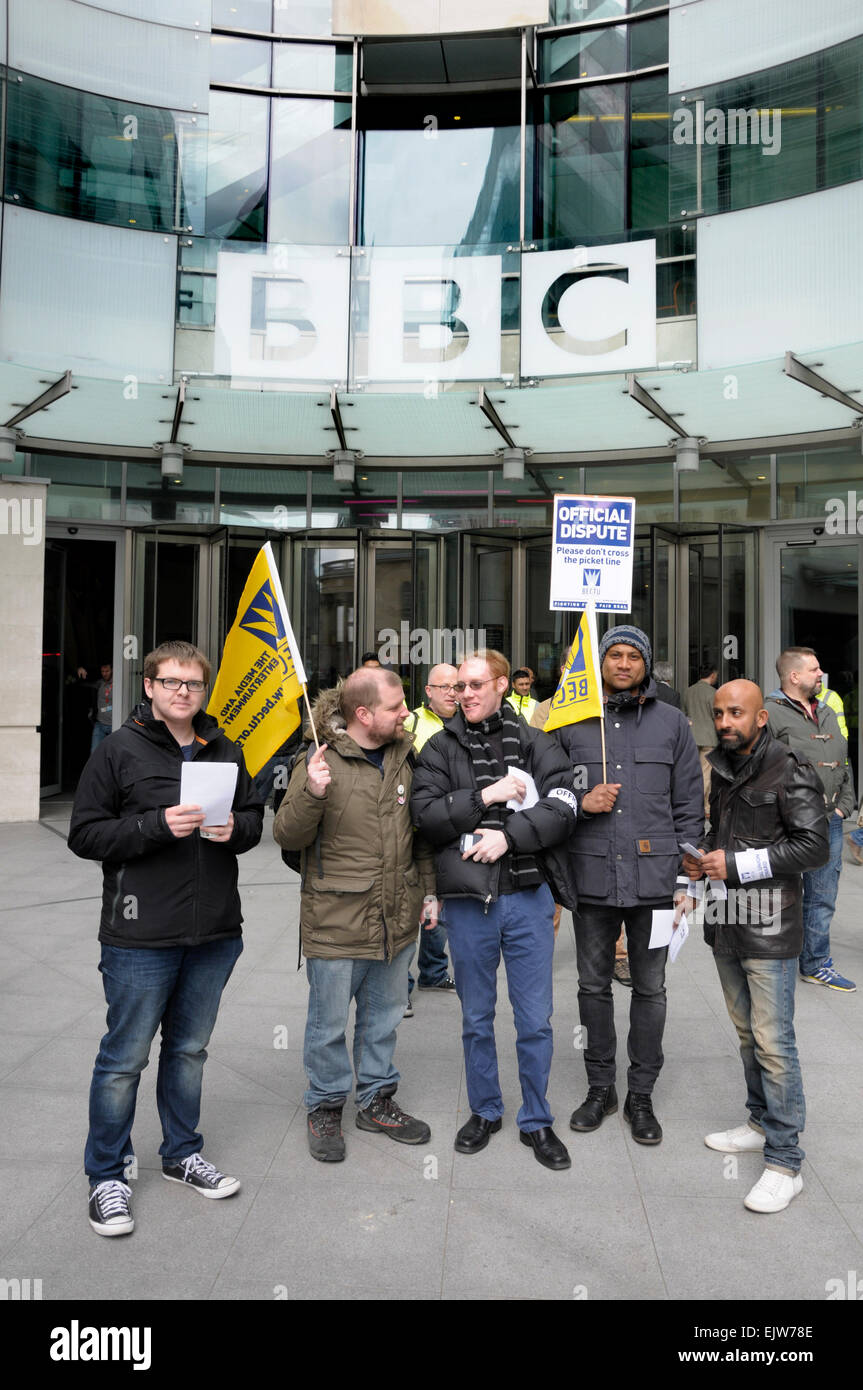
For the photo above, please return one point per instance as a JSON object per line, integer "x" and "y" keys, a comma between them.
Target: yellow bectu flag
{"x": 259, "y": 683}
{"x": 579, "y": 695}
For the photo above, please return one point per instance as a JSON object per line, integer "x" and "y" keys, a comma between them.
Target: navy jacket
{"x": 631, "y": 855}
{"x": 157, "y": 890}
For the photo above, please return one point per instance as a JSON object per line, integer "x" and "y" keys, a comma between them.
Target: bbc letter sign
{"x": 591, "y": 557}
{"x": 606, "y": 323}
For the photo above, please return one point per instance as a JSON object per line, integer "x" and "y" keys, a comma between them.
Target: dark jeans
{"x": 596, "y": 930}
{"x": 177, "y": 988}
{"x": 431, "y": 958}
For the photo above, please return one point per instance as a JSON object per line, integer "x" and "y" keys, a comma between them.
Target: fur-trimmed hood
{"x": 329, "y": 720}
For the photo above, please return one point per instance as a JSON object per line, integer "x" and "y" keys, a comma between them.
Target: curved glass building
{"x": 374, "y": 281}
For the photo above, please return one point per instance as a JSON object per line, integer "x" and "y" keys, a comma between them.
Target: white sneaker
{"x": 773, "y": 1191}
{"x": 742, "y": 1140}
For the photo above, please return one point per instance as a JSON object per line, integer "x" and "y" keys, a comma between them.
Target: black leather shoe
{"x": 601, "y": 1101}
{"x": 547, "y": 1148}
{"x": 638, "y": 1110}
{"x": 475, "y": 1134}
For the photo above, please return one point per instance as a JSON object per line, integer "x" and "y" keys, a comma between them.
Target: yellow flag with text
{"x": 579, "y": 695}
{"x": 259, "y": 683}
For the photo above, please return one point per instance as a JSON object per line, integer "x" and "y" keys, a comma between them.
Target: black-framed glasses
{"x": 461, "y": 686}
{"x": 171, "y": 683}
{"x": 450, "y": 686}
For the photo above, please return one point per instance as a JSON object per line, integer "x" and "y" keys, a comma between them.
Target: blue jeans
{"x": 100, "y": 731}
{"x": 432, "y": 959}
{"x": 759, "y": 996}
{"x": 820, "y": 887}
{"x": 179, "y": 988}
{"x": 380, "y": 988}
{"x": 519, "y": 926}
{"x": 597, "y": 928}
{"x": 857, "y": 835}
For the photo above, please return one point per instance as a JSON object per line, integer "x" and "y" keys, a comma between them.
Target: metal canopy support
{"x": 491, "y": 414}
{"x": 798, "y": 371}
{"x": 336, "y": 413}
{"x": 178, "y": 410}
{"x": 59, "y": 388}
{"x": 638, "y": 393}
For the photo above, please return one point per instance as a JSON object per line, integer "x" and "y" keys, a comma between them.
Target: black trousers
{"x": 596, "y": 931}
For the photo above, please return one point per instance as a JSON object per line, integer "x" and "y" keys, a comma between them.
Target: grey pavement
{"x": 626, "y": 1222}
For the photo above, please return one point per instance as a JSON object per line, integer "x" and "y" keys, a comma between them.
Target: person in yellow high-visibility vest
{"x": 835, "y": 703}
{"x": 520, "y": 697}
{"x": 423, "y": 723}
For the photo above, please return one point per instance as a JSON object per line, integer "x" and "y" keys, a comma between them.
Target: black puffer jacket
{"x": 158, "y": 890}
{"x": 774, "y": 802}
{"x": 445, "y": 805}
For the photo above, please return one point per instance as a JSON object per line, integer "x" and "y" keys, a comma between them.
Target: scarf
{"x": 523, "y": 868}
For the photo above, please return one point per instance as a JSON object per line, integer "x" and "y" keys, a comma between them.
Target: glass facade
{"x": 792, "y": 129}
{"x": 725, "y": 489}
{"x": 99, "y": 159}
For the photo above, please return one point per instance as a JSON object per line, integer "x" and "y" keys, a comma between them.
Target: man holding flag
{"x": 637, "y": 759}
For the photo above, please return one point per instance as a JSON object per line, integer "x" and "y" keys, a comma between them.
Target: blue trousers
{"x": 759, "y": 996}
{"x": 177, "y": 988}
{"x": 380, "y": 988}
{"x": 820, "y": 887}
{"x": 519, "y": 926}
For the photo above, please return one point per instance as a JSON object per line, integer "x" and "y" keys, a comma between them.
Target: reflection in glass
{"x": 650, "y": 483}
{"x": 150, "y": 497}
{"x": 310, "y": 178}
{"x": 581, "y": 161}
{"x": 326, "y": 613}
{"x": 274, "y": 498}
{"x": 313, "y": 67}
{"x": 456, "y": 182}
{"x": 808, "y": 479}
{"x": 726, "y": 490}
{"x": 444, "y": 501}
{"x": 103, "y": 160}
{"x": 302, "y": 16}
{"x": 585, "y": 53}
{"x": 237, "y": 166}
{"x": 243, "y": 61}
{"x": 85, "y": 488}
{"x": 648, "y": 153}
{"x": 243, "y": 14}
{"x": 170, "y": 592}
{"x": 491, "y": 587}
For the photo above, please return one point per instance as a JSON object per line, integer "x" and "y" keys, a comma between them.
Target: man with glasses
{"x": 170, "y": 927}
{"x": 423, "y": 722}
{"x": 470, "y": 786}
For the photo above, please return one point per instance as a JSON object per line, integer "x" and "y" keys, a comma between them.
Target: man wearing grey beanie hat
{"x": 627, "y": 858}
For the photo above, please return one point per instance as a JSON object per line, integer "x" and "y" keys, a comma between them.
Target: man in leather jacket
{"x": 767, "y": 826}
{"x": 497, "y": 896}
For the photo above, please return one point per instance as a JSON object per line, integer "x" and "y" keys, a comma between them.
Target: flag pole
{"x": 311, "y": 716}
{"x": 594, "y": 646}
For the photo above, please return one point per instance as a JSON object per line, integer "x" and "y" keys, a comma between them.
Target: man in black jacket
{"x": 626, "y": 860}
{"x": 767, "y": 826}
{"x": 170, "y": 927}
{"x": 497, "y": 898}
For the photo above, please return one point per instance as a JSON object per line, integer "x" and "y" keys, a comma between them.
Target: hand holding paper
{"x": 210, "y": 787}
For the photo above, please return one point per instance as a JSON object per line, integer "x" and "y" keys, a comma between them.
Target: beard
{"x": 735, "y": 741}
